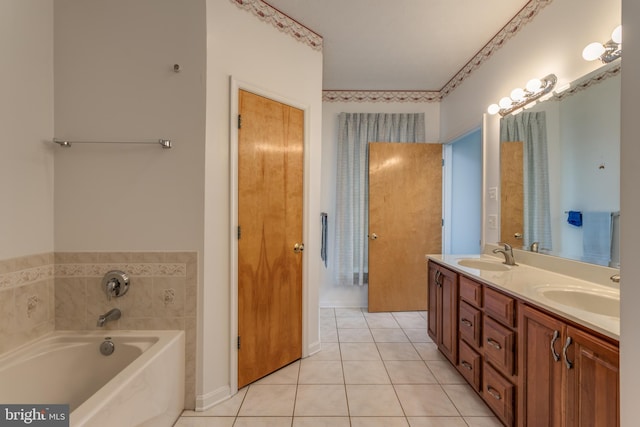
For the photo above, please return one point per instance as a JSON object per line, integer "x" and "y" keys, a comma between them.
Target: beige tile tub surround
{"x": 26, "y": 299}
{"x": 162, "y": 295}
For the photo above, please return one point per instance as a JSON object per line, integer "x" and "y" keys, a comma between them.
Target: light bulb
{"x": 517, "y": 94}
{"x": 593, "y": 51}
{"x": 616, "y": 36}
{"x": 493, "y": 109}
{"x": 505, "y": 102}
{"x": 534, "y": 85}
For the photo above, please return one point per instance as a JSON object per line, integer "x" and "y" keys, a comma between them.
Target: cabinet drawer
{"x": 500, "y": 306}
{"x": 470, "y": 364}
{"x": 498, "y": 342}
{"x": 469, "y": 319}
{"x": 471, "y": 291}
{"x": 499, "y": 394}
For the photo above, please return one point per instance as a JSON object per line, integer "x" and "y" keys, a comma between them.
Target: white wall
{"x": 253, "y": 52}
{"x": 630, "y": 206}
{"x": 331, "y": 294}
{"x": 26, "y": 120}
{"x": 551, "y": 43}
{"x": 114, "y": 81}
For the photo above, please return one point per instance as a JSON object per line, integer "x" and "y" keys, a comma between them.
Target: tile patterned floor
{"x": 374, "y": 370}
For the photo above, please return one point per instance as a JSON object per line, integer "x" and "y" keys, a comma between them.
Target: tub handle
{"x": 115, "y": 283}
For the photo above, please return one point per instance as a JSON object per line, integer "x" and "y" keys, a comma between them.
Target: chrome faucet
{"x": 535, "y": 247}
{"x": 113, "y": 314}
{"x": 508, "y": 254}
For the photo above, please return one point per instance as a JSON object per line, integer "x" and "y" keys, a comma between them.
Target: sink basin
{"x": 606, "y": 304}
{"x": 482, "y": 264}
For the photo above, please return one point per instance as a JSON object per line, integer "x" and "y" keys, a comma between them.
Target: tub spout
{"x": 113, "y": 314}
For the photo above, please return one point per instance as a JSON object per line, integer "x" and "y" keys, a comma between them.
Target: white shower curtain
{"x": 355, "y": 131}
{"x": 531, "y": 129}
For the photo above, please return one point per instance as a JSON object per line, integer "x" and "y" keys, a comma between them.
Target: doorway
{"x": 269, "y": 235}
{"x": 463, "y": 194}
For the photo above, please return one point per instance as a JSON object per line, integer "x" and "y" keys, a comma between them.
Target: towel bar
{"x": 165, "y": 143}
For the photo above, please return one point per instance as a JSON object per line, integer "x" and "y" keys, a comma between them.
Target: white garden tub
{"x": 140, "y": 384}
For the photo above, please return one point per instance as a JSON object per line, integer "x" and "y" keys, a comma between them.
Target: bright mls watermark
{"x": 34, "y": 415}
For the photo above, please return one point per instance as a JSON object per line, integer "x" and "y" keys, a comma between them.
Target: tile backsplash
{"x": 63, "y": 291}
{"x": 26, "y": 299}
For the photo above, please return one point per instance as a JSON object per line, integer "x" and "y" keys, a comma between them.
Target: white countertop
{"x": 528, "y": 283}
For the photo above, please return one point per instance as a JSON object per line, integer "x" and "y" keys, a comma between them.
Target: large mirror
{"x": 568, "y": 204}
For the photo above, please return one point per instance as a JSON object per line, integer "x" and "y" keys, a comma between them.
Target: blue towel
{"x": 575, "y": 218}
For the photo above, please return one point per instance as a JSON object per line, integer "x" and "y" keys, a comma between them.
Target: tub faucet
{"x": 508, "y": 254}
{"x": 113, "y": 314}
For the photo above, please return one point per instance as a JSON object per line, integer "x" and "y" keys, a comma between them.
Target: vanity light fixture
{"x": 607, "y": 52}
{"x": 519, "y": 98}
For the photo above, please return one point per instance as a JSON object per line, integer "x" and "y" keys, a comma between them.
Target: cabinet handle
{"x": 564, "y": 353}
{"x": 466, "y": 322}
{"x": 556, "y": 356}
{"x": 438, "y": 274}
{"x": 493, "y": 392}
{"x": 467, "y": 365}
{"x": 494, "y": 343}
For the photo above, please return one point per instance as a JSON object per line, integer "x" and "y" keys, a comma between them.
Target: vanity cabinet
{"x": 569, "y": 376}
{"x": 486, "y": 342}
{"x": 443, "y": 310}
{"x": 531, "y": 367}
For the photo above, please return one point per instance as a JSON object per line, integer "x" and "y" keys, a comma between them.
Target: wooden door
{"x": 270, "y": 181}
{"x": 593, "y": 382}
{"x": 511, "y": 193}
{"x": 541, "y": 369}
{"x": 405, "y": 222}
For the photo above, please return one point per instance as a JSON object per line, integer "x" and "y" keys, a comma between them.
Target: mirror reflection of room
{"x": 560, "y": 164}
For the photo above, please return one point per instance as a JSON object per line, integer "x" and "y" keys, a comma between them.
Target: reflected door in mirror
{"x": 511, "y": 194}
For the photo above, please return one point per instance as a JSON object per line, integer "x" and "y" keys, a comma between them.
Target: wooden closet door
{"x": 270, "y": 200}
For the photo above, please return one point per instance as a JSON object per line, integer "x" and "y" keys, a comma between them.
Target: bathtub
{"x": 140, "y": 384}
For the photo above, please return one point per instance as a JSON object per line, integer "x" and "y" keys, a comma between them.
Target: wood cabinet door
{"x": 593, "y": 382}
{"x": 540, "y": 371}
{"x": 443, "y": 310}
{"x": 432, "y": 307}
{"x": 448, "y": 308}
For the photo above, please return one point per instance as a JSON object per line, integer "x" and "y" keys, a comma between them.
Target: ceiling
{"x": 398, "y": 44}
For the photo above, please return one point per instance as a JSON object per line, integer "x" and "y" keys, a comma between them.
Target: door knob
{"x": 518, "y": 235}
{"x": 298, "y": 247}
{"x": 373, "y": 236}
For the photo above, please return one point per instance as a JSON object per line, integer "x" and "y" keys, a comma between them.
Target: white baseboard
{"x": 206, "y": 401}
{"x": 314, "y": 348}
